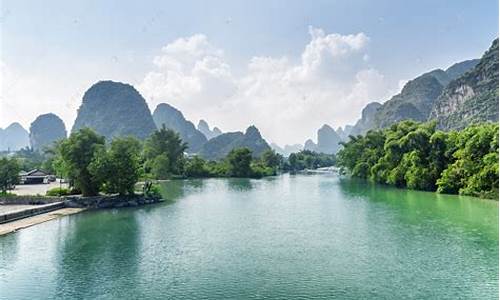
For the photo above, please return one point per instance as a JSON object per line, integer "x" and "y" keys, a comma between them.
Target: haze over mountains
{"x": 114, "y": 109}
{"x": 205, "y": 129}
{"x": 14, "y": 137}
{"x": 465, "y": 93}
{"x": 45, "y": 130}
{"x": 172, "y": 118}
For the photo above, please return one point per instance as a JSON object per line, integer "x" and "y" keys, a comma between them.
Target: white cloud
{"x": 25, "y": 95}
{"x": 287, "y": 101}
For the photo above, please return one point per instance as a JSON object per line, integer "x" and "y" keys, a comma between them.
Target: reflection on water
{"x": 100, "y": 251}
{"x": 282, "y": 237}
{"x": 239, "y": 184}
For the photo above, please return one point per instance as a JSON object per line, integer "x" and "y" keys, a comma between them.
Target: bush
{"x": 58, "y": 192}
{"x": 154, "y": 192}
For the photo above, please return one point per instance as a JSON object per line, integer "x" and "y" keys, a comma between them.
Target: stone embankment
{"x": 109, "y": 201}
{"x": 28, "y": 206}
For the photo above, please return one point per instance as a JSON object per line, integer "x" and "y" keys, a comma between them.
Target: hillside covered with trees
{"x": 418, "y": 156}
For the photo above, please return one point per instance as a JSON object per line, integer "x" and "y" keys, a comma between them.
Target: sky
{"x": 287, "y": 67}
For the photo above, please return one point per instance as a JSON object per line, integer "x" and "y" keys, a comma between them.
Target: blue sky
{"x": 52, "y": 51}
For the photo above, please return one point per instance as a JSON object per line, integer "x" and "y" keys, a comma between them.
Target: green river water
{"x": 286, "y": 237}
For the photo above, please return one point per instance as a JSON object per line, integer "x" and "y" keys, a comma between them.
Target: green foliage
{"x": 239, "y": 160}
{"x": 29, "y": 159}
{"x": 57, "y": 191}
{"x": 271, "y": 159}
{"x": 196, "y": 167}
{"x": 308, "y": 159}
{"x": 118, "y": 168}
{"x": 75, "y": 155}
{"x": 474, "y": 170}
{"x": 164, "y": 153}
{"x": 154, "y": 192}
{"x": 9, "y": 173}
{"x": 417, "y": 156}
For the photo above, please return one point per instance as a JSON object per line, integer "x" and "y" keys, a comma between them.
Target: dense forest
{"x": 93, "y": 165}
{"x": 418, "y": 156}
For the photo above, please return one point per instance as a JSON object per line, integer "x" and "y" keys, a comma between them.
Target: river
{"x": 285, "y": 237}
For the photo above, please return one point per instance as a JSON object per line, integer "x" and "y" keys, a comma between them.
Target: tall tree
{"x": 9, "y": 173}
{"x": 75, "y": 155}
{"x": 118, "y": 168}
{"x": 239, "y": 160}
{"x": 167, "y": 144}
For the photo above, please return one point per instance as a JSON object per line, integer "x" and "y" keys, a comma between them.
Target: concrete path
{"x": 30, "y": 221}
{"x": 34, "y": 189}
{"x": 20, "y": 212}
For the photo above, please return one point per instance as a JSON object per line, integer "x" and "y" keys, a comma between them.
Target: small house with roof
{"x": 35, "y": 176}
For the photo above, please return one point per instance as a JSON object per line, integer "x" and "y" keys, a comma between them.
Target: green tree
{"x": 118, "y": 167}
{"x": 417, "y": 156}
{"x": 475, "y": 167}
{"x": 239, "y": 160}
{"x": 196, "y": 167}
{"x": 166, "y": 144}
{"x": 9, "y": 173}
{"x": 75, "y": 154}
{"x": 272, "y": 159}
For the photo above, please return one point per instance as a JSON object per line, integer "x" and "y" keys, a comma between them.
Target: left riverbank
{"x": 19, "y": 224}
{"x": 17, "y": 212}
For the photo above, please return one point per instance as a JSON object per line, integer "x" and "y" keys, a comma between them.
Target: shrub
{"x": 57, "y": 191}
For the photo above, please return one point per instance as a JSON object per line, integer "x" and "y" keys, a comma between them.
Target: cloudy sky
{"x": 285, "y": 66}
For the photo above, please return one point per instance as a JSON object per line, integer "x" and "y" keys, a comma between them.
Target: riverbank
{"x": 23, "y": 211}
{"x": 19, "y": 224}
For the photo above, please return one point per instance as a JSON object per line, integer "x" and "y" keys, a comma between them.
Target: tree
{"x": 118, "y": 168}
{"x": 167, "y": 144}
{"x": 474, "y": 170}
{"x": 239, "y": 160}
{"x": 160, "y": 166}
{"x": 75, "y": 154}
{"x": 417, "y": 156}
{"x": 272, "y": 159}
{"x": 9, "y": 173}
{"x": 196, "y": 167}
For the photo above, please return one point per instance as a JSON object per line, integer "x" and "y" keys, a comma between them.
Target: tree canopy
{"x": 417, "y": 156}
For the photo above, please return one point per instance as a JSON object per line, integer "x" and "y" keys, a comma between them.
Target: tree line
{"x": 418, "y": 156}
{"x": 92, "y": 165}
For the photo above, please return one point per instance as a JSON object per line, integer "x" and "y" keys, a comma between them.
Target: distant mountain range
{"x": 114, "y": 109}
{"x": 45, "y": 130}
{"x": 172, "y": 118}
{"x": 205, "y": 129}
{"x": 218, "y": 147}
{"x": 465, "y": 93}
{"x": 471, "y": 97}
{"x": 14, "y": 137}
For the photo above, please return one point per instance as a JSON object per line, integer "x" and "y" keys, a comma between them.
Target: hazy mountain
{"x": 344, "y": 132}
{"x": 287, "y": 149}
{"x": 310, "y": 145}
{"x": 472, "y": 97}
{"x": 45, "y": 130}
{"x": 328, "y": 140}
{"x": 114, "y": 109}
{"x": 460, "y": 68}
{"x": 174, "y": 119}
{"x": 418, "y": 96}
{"x": 367, "y": 120}
{"x": 13, "y": 137}
{"x": 218, "y": 147}
{"x": 205, "y": 129}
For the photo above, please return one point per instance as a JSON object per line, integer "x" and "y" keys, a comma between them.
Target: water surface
{"x": 286, "y": 237}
